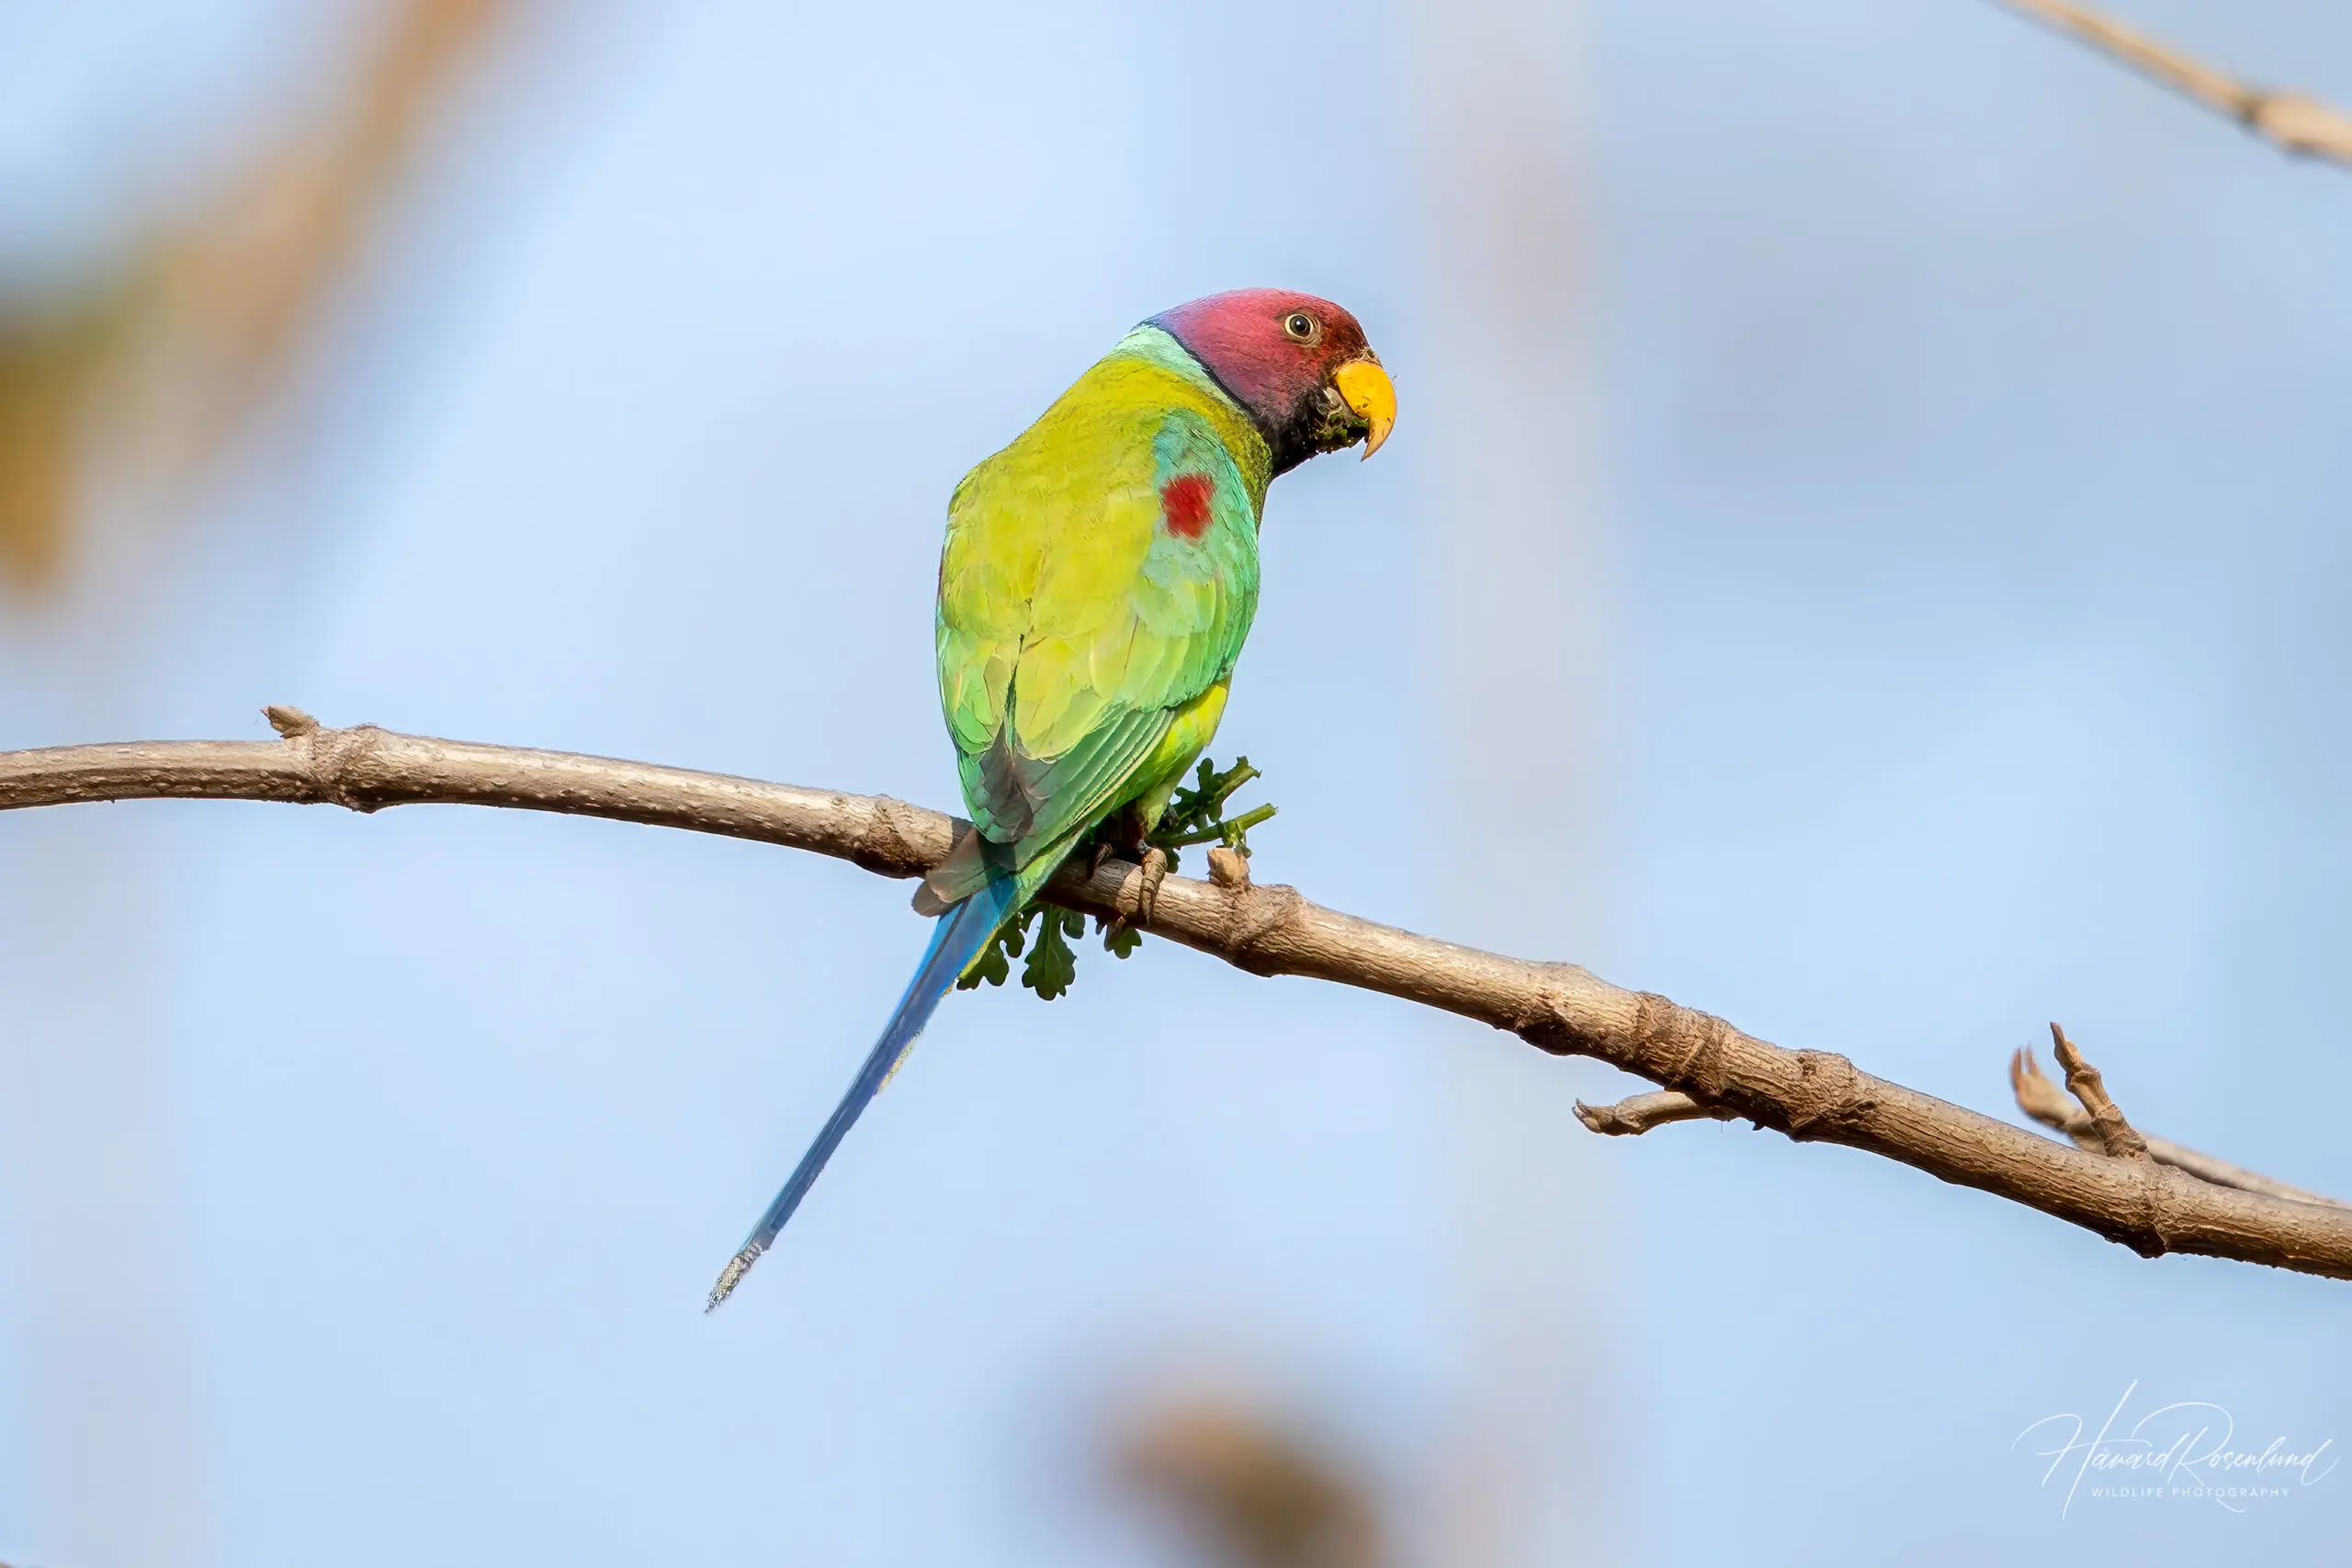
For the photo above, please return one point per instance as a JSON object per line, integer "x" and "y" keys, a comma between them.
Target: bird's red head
{"x": 1299, "y": 365}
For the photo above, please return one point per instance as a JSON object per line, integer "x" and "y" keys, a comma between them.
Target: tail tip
{"x": 732, "y": 1276}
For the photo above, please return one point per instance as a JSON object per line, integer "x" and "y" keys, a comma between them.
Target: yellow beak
{"x": 1366, "y": 388}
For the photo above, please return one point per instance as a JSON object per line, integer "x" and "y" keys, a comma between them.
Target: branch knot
{"x": 338, "y": 760}
{"x": 1685, "y": 1047}
{"x": 330, "y": 757}
{"x": 1258, "y": 914}
{"x": 1828, "y": 1091}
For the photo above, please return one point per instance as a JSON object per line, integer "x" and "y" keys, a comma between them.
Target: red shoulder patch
{"x": 1184, "y": 501}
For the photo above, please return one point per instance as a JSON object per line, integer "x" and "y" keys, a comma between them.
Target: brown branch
{"x": 2047, "y": 1103}
{"x": 2295, "y": 122}
{"x": 1637, "y": 1114}
{"x": 1559, "y": 1007}
{"x": 2116, "y": 1136}
{"x": 1257, "y": 1494}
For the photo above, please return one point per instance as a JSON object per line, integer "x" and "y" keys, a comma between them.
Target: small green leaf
{"x": 994, "y": 964}
{"x": 989, "y": 967}
{"x": 1052, "y": 965}
{"x": 1196, "y": 813}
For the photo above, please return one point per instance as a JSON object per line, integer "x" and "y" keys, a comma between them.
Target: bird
{"x": 1097, "y": 579}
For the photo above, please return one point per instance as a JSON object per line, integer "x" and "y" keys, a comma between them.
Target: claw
{"x": 1155, "y": 872}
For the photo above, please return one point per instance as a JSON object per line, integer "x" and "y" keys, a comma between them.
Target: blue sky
{"x": 1969, "y": 478}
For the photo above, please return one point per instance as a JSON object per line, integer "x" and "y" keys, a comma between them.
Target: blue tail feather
{"x": 958, "y": 938}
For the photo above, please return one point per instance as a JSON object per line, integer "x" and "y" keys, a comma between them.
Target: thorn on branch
{"x": 1637, "y": 1114}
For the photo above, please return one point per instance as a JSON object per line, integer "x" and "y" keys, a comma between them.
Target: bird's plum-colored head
{"x": 1299, "y": 365}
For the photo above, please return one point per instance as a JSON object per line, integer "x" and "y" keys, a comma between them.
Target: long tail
{"x": 960, "y": 935}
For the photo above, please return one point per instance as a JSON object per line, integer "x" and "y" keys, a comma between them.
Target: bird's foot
{"x": 1153, "y": 866}
{"x": 1125, "y": 834}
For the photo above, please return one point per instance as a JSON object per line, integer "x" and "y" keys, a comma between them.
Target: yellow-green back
{"x": 1099, "y": 577}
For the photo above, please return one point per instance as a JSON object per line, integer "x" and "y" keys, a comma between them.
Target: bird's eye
{"x": 1300, "y": 326}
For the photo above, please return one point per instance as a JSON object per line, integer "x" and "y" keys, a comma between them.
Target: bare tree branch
{"x": 2116, "y": 1135}
{"x": 1558, "y": 1008}
{"x": 2047, "y": 1103}
{"x": 2038, "y": 1097}
{"x": 2294, "y": 122}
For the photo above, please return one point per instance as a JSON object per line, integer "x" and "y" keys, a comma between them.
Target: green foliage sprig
{"x": 1194, "y": 814}
{"x": 1051, "y": 966}
{"x": 1043, "y": 931}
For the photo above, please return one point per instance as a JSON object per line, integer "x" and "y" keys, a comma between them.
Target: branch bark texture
{"x": 1810, "y": 1095}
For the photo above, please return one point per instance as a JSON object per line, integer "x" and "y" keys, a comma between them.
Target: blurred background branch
{"x": 2294, "y": 122}
{"x": 212, "y": 222}
{"x": 154, "y": 366}
{"x": 1251, "y": 1492}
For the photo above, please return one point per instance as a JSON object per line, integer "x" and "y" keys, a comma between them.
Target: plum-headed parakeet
{"x": 1099, "y": 576}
